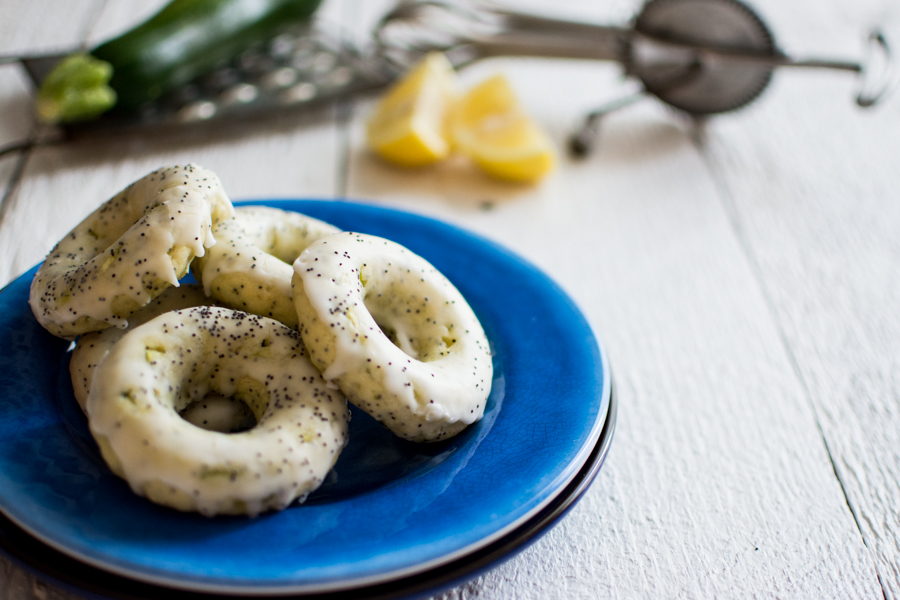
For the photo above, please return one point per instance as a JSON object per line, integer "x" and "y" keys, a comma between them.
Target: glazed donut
{"x": 160, "y": 367}
{"x": 394, "y": 334}
{"x": 250, "y": 268}
{"x": 92, "y": 347}
{"x": 128, "y": 251}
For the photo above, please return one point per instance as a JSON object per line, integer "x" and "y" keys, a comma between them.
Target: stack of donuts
{"x": 230, "y": 397}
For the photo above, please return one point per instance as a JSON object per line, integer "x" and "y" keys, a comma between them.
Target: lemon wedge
{"x": 409, "y": 125}
{"x": 490, "y": 126}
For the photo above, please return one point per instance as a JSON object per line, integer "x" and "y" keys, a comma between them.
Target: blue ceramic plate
{"x": 390, "y": 509}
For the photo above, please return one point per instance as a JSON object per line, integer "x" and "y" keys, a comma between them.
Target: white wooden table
{"x": 743, "y": 276}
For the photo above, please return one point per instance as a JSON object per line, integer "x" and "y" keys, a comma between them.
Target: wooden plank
{"x": 118, "y": 17}
{"x": 39, "y": 26}
{"x": 812, "y": 182}
{"x": 27, "y": 28}
{"x": 15, "y": 126}
{"x": 17, "y": 584}
{"x": 718, "y": 480}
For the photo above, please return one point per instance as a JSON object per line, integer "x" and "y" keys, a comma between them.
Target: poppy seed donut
{"x": 128, "y": 251}
{"x": 250, "y": 267}
{"x": 162, "y": 366}
{"x": 394, "y": 334}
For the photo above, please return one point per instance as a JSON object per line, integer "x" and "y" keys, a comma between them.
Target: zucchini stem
{"x": 76, "y": 90}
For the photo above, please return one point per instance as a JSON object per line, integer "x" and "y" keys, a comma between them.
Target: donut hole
{"x": 401, "y": 341}
{"x": 216, "y": 412}
{"x": 417, "y": 334}
{"x": 408, "y": 320}
{"x": 282, "y": 250}
{"x": 236, "y": 409}
{"x": 281, "y": 234}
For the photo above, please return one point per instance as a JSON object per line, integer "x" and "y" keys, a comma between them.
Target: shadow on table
{"x": 95, "y": 148}
{"x": 455, "y": 180}
{"x": 628, "y": 140}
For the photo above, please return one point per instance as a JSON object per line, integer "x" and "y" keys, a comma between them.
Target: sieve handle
{"x": 877, "y": 82}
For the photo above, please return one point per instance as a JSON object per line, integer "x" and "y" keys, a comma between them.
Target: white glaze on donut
{"x": 394, "y": 334}
{"x": 179, "y": 357}
{"x": 250, "y": 267}
{"x": 128, "y": 251}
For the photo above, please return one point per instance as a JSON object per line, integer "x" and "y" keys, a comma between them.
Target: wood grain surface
{"x": 743, "y": 274}
{"x": 819, "y": 223}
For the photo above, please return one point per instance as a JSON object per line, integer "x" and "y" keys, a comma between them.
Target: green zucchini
{"x": 185, "y": 39}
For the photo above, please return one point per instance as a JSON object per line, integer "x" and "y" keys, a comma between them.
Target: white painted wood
{"x": 34, "y": 27}
{"x": 29, "y": 27}
{"x": 709, "y": 273}
{"x": 15, "y": 106}
{"x": 813, "y": 181}
{"x": 117, "y": 17}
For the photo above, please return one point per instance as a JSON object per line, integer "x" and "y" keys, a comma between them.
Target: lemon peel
{"x": 490, "y": 126}
{"x": 408, "y": 126}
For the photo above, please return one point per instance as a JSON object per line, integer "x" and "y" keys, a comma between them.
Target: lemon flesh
{"x": 409, "y": 125}
{"x": 490, "y": 126}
